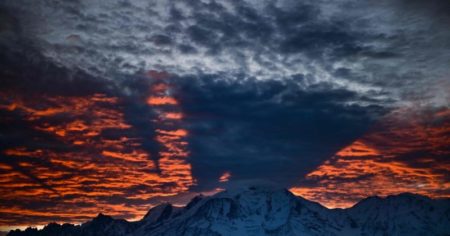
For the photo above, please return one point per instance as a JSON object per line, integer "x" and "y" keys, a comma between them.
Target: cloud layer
{"x": 115, "y": 106}
{"x": 360, "y": 46}
{"x": 405, "y": 151}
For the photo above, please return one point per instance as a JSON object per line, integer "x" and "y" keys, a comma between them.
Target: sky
{"x": 116, "y": 106}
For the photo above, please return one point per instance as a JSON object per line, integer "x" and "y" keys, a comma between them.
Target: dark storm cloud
{"x": 267, "y": 130}
{"x": 294, "y": 114}
{"x": 297, "y": 29}
{"x": 411, "y": 48}
{"x": 221, "y": 37}
{"x": 24, "y": 68}
{"x": 393, "y": 47}
{"x": 27, "y": 73}
{"x": 31, "y": 84}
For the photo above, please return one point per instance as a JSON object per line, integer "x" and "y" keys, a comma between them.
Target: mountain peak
{"x": 159, "y": 213}
{"x": 194, "y": 201}
{"x": 259, "y": 210}
{"x": 402, "y": 198}
{"x": 102, "y": 218}
{"x": 253, "y": 190}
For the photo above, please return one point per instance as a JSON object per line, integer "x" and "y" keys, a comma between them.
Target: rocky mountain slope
{"x": 262, "y": 211}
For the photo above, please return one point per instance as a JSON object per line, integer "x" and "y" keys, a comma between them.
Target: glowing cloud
{"x": 406, "y": 152}
{"x": 94, "y": 171}
{"x": 172, "y": 159}
{"x": 225, "y": 177}
{"x": 158, "y": 101}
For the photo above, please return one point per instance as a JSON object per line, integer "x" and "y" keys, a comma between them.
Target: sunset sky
{"x": 116, "y": 106}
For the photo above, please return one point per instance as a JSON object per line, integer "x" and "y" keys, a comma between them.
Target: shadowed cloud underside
{"x": 117, "y": 106}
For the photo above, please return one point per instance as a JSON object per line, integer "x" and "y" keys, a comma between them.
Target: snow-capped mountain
{"x": 261, "y": 211}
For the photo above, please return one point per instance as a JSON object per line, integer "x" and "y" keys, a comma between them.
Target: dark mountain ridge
{"x": 262, "y": 211}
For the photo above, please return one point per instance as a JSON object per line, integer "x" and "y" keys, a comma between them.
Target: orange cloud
{"x": 173, "y": 115}
{"x": 225, "y": 177}
{"x": 178, "y": 132}
{"x": 172, "y": 159}
{"x": 358, "y": 149}
{"x": 158, "y": 101}
{"x": 22, "y": 151}
{"x": 94, "y": 173}
{"x": 406, "y": 152}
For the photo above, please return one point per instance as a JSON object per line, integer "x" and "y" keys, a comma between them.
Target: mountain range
{"x": 271, "y": 212}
